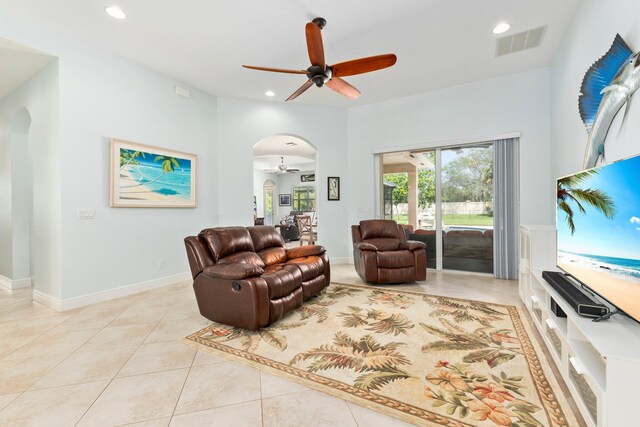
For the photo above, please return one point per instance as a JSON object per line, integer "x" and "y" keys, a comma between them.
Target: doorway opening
{"x": 284, "y": 172}
{"x": 445, "y": 197}
{"x": 16, "y": 264}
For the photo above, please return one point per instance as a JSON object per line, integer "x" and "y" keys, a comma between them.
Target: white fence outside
{"x": 467, "y": 208}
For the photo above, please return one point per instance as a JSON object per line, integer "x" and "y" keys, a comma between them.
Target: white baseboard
{"x": 341, "y": 261}
{"x": 15, "y": 284}
{"x": 47, "y": 300}
{"x": 108, "y": 294}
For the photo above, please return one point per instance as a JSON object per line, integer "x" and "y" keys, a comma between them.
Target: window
{"x": 304, "y": 199}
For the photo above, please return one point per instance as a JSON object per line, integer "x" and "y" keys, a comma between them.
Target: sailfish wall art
{"x": 607, "y": 86}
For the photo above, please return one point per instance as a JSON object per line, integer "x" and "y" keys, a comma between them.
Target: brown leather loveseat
{"x": 244, "y": 276}
{"x": 382, "y": 254}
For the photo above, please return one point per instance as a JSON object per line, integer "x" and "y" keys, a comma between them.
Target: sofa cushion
{"x": 265, "y": 237}
{"x": 233, "y": 271}
{"x": 383, "y": 244}
{"x": 310, "y": 267}
{"x": 224, "y": 241}
{"x": 245, "y": 257}
{"x": 272, "y": 256}
{"x": 396, "y": 259}
{"x": 375, "y": 228}
{"x": 282, "y": 279}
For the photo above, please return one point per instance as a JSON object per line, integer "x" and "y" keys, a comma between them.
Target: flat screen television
{"x": 598, "y": 231}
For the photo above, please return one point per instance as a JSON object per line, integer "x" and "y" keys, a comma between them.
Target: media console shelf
{"x": 600, "y": 362}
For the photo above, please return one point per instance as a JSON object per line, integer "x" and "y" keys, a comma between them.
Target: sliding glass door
{"x": 445, "y": 195}
{"x": 467, "y": 208}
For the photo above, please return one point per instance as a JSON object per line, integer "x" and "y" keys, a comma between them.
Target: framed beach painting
{"x": 142, "y": 176}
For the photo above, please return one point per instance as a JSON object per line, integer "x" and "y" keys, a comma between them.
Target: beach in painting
{"x": 149, "y": 177}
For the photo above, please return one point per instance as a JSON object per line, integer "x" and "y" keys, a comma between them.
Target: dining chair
{"x": 305, "y": 227}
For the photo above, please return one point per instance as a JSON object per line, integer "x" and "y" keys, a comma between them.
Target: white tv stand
{"x": 600, "y": 362}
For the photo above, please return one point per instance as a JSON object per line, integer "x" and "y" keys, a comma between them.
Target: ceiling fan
{"x": 320, "y": 73}
{"x": 282, "y": 168}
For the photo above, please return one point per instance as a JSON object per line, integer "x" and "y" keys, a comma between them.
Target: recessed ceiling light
{"x": 115, "y": 12}
{"x": 501, "y": 28}
{"x": 270, "y": 93}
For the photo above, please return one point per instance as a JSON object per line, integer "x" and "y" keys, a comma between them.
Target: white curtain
{"x": 505, "y": 208}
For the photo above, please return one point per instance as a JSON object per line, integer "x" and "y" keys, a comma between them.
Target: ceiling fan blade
{"x": 302, "y": 88}
{"x": 363, "y": 65}
{"x": 293, "y": 170}
{"x": 314, "y": 44}
{"x": 343, "y": 88}
{"x": 276, "y": 70}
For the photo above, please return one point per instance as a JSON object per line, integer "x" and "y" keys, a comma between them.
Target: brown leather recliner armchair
{"x": 382, "y": 254}
{"x": 244, "y": 276}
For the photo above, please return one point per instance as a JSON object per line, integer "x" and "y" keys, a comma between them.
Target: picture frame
{"x": 285, "y": 199}
{"x": 333, "y": 188}
{"x": 144, "y": 176}
{"x": 311, "y": 177}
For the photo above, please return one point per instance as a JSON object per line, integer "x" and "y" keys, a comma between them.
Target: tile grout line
{"x": 261, "y": 399}
{"x": 55, "y": 366}
{"x": 111, "y": 380}
{"x": 351, "y": 412}
{"x": 186, "y": 377}
{"x": 47, "y": 331}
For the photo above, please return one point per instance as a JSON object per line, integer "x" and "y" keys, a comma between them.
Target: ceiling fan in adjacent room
{"x": 320, "y": 73}
{"x": 282, "y": 168}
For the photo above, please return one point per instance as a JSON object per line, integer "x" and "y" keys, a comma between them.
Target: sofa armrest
{"x": 232, "y": 271}
{"x": 412, "y": 245}
{"x": 304, "y": 251}
{"x": 366, "y": 247}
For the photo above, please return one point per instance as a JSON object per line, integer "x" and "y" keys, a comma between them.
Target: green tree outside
{"x": 469, "y": 177}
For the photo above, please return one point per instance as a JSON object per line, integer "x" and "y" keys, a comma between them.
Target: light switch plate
{"x": 86, "y": 213}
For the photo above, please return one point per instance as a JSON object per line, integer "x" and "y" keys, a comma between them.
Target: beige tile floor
{"x": 119, "y": 363}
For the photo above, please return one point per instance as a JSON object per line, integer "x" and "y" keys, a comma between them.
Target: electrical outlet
{"x": 161, "y": 264}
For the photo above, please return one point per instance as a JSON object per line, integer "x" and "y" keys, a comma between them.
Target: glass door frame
{"x": 379, "y": 176}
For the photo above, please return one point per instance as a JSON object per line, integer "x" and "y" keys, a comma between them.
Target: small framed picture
{"x": 285, "y": 200}
{"x": 308, "y": 177}
{"x": 333, "y": 185}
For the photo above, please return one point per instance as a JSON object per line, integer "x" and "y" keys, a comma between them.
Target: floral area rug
{"x": 428, "y": 360}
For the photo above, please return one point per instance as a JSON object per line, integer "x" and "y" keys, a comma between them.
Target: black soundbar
{"x": 582, "y": 303}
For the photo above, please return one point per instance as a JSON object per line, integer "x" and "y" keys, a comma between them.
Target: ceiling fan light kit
{"x": 282, "y": 168}
{"x": 321, "y": 74}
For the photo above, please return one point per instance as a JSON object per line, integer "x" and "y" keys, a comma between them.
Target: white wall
{"x": 589, "y": 36}
{"x": 514, "y": 103}
{"x": 241, "y": 124}
{"x": 40, "y": 97}
{"x": 115, "y": 98}
{"x": 21, "y": 196}
{"x": 102, "y": 96}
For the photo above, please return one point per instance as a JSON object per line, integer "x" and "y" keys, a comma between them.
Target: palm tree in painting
{"x": 569, "y": 193}
{"x": 168, "y": 165}
{"x": 129, "y": 157}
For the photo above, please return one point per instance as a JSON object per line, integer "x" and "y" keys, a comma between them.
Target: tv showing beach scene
{"x": 145, "y": 176}
{"x": 598, "y": 231}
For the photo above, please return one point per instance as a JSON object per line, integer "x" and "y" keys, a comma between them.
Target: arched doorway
{"x": 289, "y": 163}
{"x": 17, "y": 265}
